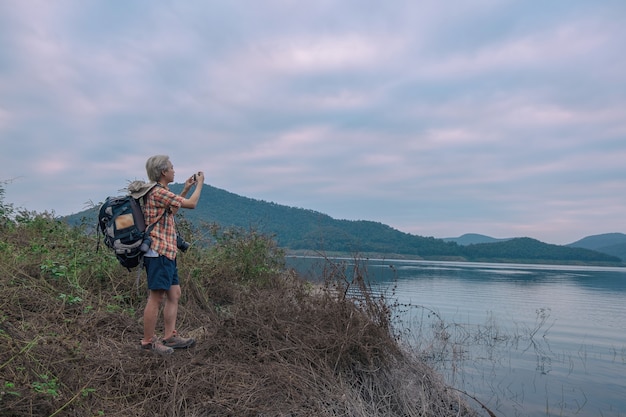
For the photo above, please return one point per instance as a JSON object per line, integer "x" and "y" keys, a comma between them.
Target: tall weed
{"x": 269, "y": 343}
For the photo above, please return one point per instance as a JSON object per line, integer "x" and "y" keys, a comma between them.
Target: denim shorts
{"x": 162, "y": 272}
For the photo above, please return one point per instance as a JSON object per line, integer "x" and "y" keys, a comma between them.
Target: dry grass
{"x": 70, "y": 324}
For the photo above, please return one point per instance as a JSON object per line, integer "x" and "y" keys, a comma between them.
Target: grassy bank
{"x": 268, "y": 343}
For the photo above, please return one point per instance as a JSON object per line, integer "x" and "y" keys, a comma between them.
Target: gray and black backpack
{"x": 121, "y": 221}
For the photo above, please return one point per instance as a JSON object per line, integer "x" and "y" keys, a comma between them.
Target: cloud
{"x": 489, "y": 117}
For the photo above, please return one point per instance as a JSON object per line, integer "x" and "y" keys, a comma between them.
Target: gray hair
{"x": 156, "y": 165}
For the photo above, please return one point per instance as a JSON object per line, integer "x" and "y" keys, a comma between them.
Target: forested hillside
{"x": 520, "y": 249}
{"x": 472, "y": 239}
{"x": 299, "y": 229}
{"x": 610, "y": 243}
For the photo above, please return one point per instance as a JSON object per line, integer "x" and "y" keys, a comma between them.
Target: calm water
{"x": 526, "y": 340}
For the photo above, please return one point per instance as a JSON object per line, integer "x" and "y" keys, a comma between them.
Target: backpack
{"x": 121, "y": 221}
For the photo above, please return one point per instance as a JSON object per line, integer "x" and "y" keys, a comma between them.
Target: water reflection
{"x": 610, "y": 279}
{"x": 528, "y": 340}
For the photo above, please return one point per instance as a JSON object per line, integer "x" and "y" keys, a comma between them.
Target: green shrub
{"x": 70, "y": 325}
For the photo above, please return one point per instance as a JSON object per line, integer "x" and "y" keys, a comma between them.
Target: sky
{"x": 500, "y": 117}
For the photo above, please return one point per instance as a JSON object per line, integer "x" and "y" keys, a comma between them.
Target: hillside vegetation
{"x": 609, "y": 243}
{"x": 472, "y": 238}
{"x": 268, "y": 343}
{"x": 302, "y": 230}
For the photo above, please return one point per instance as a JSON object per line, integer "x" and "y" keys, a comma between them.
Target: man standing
{"x": 160, "y": 261}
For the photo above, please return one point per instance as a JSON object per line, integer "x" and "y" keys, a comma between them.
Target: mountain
{"x": 298, "y": 229}
{"x": 472, "y": 239}
{"x": 609, "y": 243}
{"x": 524, "y": 248}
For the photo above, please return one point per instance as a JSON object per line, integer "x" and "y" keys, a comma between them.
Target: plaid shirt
{"x": 163, "y": 235}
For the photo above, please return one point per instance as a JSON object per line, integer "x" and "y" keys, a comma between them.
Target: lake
{"x": 525, "y": 340}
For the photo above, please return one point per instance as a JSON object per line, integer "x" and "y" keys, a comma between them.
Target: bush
{"x": 269, "y": 343}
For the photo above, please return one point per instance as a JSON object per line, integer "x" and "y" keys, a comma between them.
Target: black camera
{"x": 145, "y": 245}
{"x": 181, "y": 244}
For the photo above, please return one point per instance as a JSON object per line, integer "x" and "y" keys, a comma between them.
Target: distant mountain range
{"x": 613, "y": 244}
{"x": 473, "y": 239}
{"x": 301, "y": 231}
{"x": 609, "y": 243}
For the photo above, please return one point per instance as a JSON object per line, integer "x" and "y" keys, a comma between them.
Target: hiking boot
{"x": 177, "y": 342}
{"x": 157, "y": 346}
